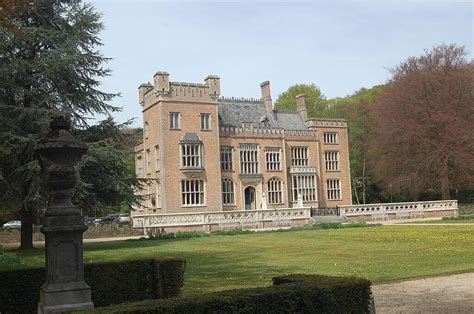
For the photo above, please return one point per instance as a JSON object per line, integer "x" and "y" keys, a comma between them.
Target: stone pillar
{"x": 63, "y": 226}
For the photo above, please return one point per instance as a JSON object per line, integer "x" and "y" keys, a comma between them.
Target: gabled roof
{"x": 190, "y": 138}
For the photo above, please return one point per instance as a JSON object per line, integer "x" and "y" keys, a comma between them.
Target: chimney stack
{"x": 214, "y": 83}
{"x": 162, "y": 82}
{"x": 266, "y": 96}
{"x": 301, "y": 107}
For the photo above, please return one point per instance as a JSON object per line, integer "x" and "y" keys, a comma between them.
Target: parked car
{"x": 110, "y": 218}
{"x": 14, "y": 224}
{"x": 123, "y": 218}
{"x": 92, "y": 221}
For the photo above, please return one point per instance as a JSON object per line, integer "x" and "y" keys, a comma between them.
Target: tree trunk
{"x": 26, "y": 229}
{"x": 363, "y": 181}
{"x": 445, "y": 195}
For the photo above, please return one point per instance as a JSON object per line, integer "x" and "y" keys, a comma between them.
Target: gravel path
{"x": 447, "y": 294}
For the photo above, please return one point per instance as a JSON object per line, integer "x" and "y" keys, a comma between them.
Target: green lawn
{"x": 224, "y": 262}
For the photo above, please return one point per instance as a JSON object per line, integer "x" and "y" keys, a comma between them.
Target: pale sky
{"x": 339, "y": 46}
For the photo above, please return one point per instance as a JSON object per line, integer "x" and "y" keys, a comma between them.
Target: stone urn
{"x": 63, "y": 226}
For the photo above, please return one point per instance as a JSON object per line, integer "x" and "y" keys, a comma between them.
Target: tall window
{"x": 157, "y": 201}
{"x": 272, "y": 158}
{"x": 145, "y": 130}
{"x": 175, "y": 120}
{"x": 191, "y": 155}
{"x": 227, "y": 192}
{"x": 331, "y": 160}
{"x": 331, "y": 138}
{"x": 192, "y": 192}
{"x": 249, "y": 158}
{"x": 274, "y": 191}
{"x": 148, "y": 195}
{"x": 205, "y": 121}
{"x": 333, "y": 188}
{"x": 299, "y": 156}
{"x": 226, "y": 158}
{"x": 305, "y": 185}
{"x": 147, "y": 161}
{"x": 157, "y": 158}
{"x": 139, "y": 166}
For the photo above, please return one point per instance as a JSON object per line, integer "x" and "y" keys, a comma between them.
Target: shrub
{"x": 289, "y": 294}
{"x": 460, "y": 217}
{"x": 111, "y": 283}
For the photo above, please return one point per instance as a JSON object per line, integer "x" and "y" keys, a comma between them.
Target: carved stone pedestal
{"x": 63, "y": 226}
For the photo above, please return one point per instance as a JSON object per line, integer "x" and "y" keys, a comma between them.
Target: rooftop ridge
{"x": 239, "y": 99}
{"x": 285, "y": 111}
{"x": 186, "y": 84}
{"x": 327, "y": 119}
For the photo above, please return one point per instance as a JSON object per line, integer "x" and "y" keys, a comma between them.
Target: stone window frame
{"x": 275, "y": 191}
{"x": 228, "y": 192}
{"x": 157, "y": 158}
{"x": 174, "y": 120}
{"x": 249, "y": 158}
{"x": 139, "y": 165}
{"x": 157, "y": 194}
{"x": 331, "y": 138}
{"x": 304, "y": 184}
{"x": 193, "y": 192}
{"x": 299, "y": 156}
{"x": 145, "y": 129}
{"x": 192, "y": 155}
{"x": 147, "y": 161}
{"x": 226, "y": 158}
{"x": 332, "y": 160}
{"x": 333, "y": 189}
{"x": 273, "y": 158}
{"x": 205, "y": 120}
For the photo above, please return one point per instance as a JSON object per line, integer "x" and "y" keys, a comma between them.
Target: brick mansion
{"x": 205, "y": 153}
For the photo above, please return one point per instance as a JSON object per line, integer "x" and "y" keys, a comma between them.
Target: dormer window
{"x": 264, "y": 121}
{"x": 247, "y": 126}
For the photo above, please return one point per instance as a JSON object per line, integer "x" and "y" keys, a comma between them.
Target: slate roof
{"x": 190, "y": 138}
{"x": 235, "y": 112}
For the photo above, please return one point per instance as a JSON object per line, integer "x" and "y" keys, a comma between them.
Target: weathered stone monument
{"x": 63, "y": 226}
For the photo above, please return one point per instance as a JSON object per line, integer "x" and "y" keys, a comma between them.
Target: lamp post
{"x": 63, "y": 226}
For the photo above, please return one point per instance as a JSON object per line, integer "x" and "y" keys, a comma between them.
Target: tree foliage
{"x": 355, "y": 110}
{"x": 107, "y": 175}
{"x": 423, "y": 124}
{"x": 316, "y": 102}
{"x": 49, "y": 63}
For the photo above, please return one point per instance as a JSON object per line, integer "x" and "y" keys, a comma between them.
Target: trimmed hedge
{"x": 111, "y": 283}
{"x": 289, "y": 294}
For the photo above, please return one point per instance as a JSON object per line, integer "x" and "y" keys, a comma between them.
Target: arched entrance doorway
{"x": 249, "y": 196}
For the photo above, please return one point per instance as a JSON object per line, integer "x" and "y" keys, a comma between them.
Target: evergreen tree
{"x": 49, "y": 63}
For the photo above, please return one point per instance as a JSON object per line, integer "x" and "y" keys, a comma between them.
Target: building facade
{"x": 203, "y": 153}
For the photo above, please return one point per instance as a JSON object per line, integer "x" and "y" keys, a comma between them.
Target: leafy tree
{"x": 355, "y": 109}
{"x": 49, "y": 62}
{"x": 315, "y": 100}
{"x": 423, "y": 124}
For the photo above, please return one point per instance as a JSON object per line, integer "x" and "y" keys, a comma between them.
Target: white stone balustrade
{"x": 205, "y": 219}
{"x": 388, "y": 208}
